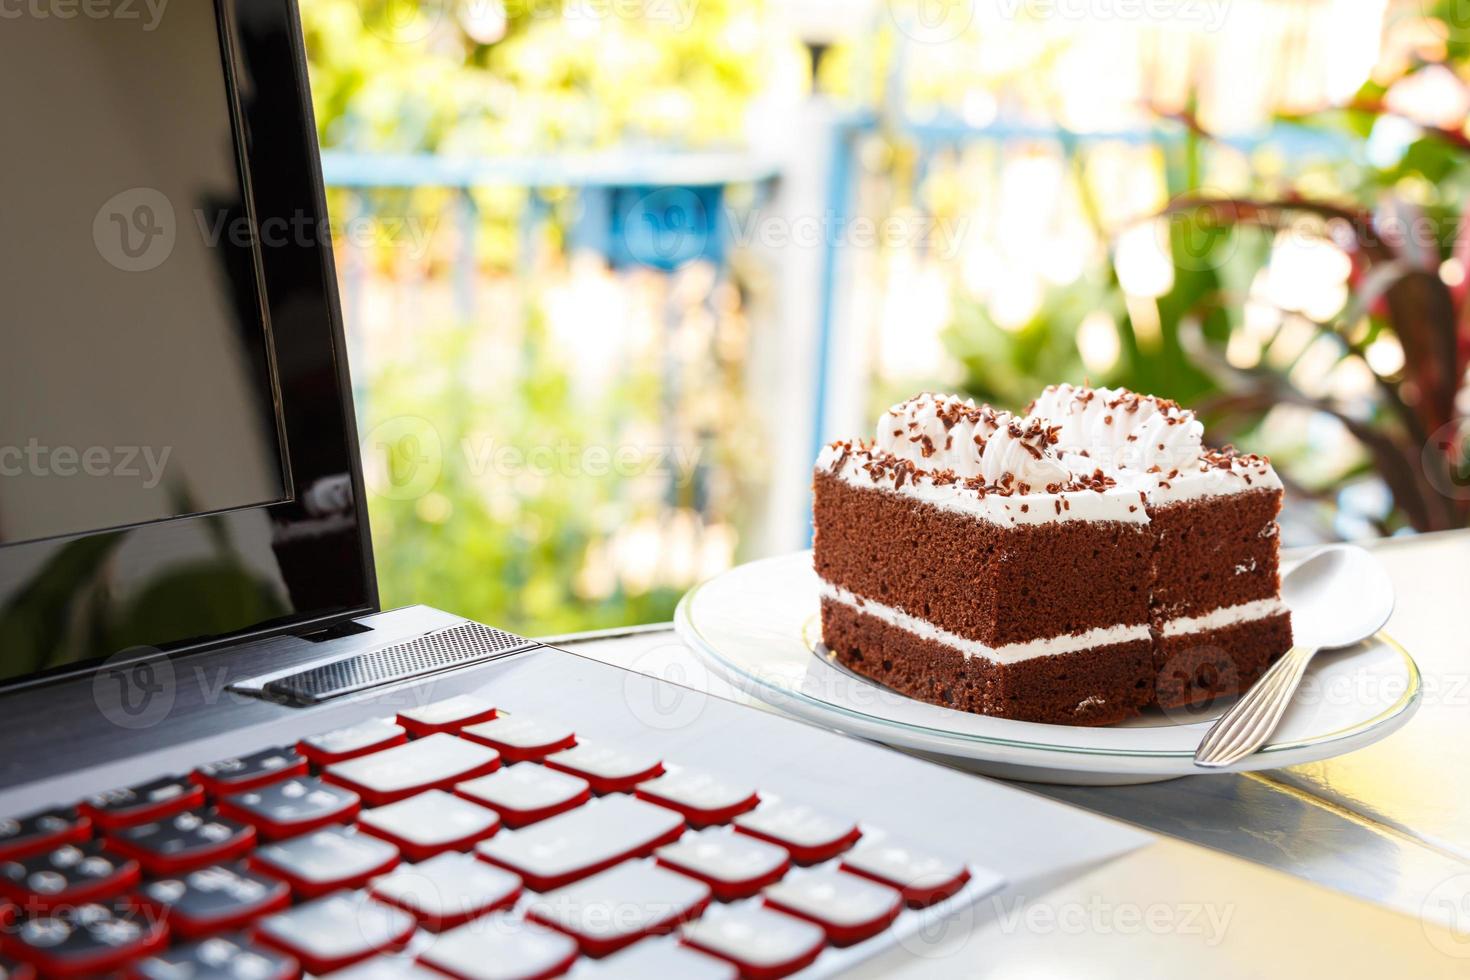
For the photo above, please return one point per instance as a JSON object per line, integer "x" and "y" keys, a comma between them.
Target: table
{"x": 1388, "y": 825}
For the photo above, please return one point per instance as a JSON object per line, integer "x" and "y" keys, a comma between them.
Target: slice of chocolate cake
{"x": 1067, "y": 567}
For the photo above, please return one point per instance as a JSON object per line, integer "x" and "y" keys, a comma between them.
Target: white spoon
{"x": 1338, "y": 597}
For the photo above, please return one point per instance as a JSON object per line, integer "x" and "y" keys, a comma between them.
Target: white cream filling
{"x": 1224, "y": 616}
{"x": 1008, "y": 654}
{"x": 1012, "y": 653}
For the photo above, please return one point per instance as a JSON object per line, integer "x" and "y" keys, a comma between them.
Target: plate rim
{"x": 688, "y": 630}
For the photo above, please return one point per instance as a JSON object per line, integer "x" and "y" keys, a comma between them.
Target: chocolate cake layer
{"x": 979, "y": 580}
{"x": 1199, "y": 667}
{"x": 1096, "y": 686}
{"x": 1215, "y": 551}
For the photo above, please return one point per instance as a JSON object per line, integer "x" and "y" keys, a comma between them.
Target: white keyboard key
{"x": 662, "y": 958}
{"x": 759, "y": 941}
{"x": 702, "y": 798}
{"x": 608, "y": 768}
{"x": 448, "y": 890}
{"x": 581, "y": 842}
{"x": 525, "y": 793}
{"x": 733, "y": 865}
{"x": 923, "y": 878}
{"x": 325, "y": 860}
{"x": 347, "y": 743}
{"x": 811, "y": 835}
{"x": 848, "y": 908}
{"x": 435, "y": 762}
{"x": 430, "y": 823}
{"x": 620, "y": 906}
{"x": 387, "y": 968}
{"x": 449, "y": 715}
{"x": 501, "y": 948}
{"x": 520, "y": 737}
{"x": 334, "y": 932}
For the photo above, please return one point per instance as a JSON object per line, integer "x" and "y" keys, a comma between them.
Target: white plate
{"x": 756, "y": 625}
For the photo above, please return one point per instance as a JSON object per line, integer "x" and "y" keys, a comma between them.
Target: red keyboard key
{"x": 449, "y": 715}
{"x": 663, "y": 958}
{"x": 848, "y": 908}
{"x": 183, "y": 842}
{"x": 448, "y": 890}
{"x": 526, "y": 793}
{"x": 334, "y": 932}
{"x": 41, "y": 831}
{"x": 326, "y": 860}
{"x": 582, "y": 842}
{"x": 733, "y": 865}
{"x": 501, "y": 948}
{"x": 215, "y": 899}
{"x": 703, "y": 799}
{"x": 608, "y": 769}
{"x": 519, "y": 738}
{"x": 86, "y": 939}
{"x": 620, "y": 906}
{"x": 291, "y": 807}
{"x": 250, "y": 771}
{"x": 218, "y": 958}
{"x": 923, "y": 878}
{"x": 138, "y": 804}
{"x": 69, "y": 875}
{"x": 349, "y": 743}
{"x": 762, "y": 943}
{"x": 435, "y": 762}
{"x": 809, "y": 834}
{"x": 430, "y": 823}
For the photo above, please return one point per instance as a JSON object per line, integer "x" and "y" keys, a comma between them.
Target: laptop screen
{"x": 135, "y": 361}
{"x": 178, "y": 456}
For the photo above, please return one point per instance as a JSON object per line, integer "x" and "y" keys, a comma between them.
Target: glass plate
{"x": 756, "y": 626}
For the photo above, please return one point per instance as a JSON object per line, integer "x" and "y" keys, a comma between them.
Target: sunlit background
{"x": 613, "y": 269}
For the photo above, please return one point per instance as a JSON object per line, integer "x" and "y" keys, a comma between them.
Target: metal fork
{"x": 1252, "y": 719}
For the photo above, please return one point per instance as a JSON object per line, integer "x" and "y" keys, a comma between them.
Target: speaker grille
{"x": 427, "y": 654}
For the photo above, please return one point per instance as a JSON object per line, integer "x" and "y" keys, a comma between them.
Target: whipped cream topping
{"x": 939, "y": 432}
{"x": 1095, "y": 454}
{"x": 1117, "y": 429}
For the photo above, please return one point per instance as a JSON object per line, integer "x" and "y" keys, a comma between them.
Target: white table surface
{"x": 1387, "y": 826}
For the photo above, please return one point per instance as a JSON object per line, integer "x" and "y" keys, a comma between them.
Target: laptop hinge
{"x": 428, "y": 653}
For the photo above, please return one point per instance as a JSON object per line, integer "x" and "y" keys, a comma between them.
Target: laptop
{"x": 221, "y": 757}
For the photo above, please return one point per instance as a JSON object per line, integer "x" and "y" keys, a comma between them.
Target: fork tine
{"x": 1242, "y": 716}
{"x": 1247, "y": 726}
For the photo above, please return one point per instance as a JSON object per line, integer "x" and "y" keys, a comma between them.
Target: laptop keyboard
{"x": 452, "y": 840}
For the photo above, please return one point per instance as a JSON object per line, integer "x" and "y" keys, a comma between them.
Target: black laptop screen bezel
{"x": 265, "y": 69}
